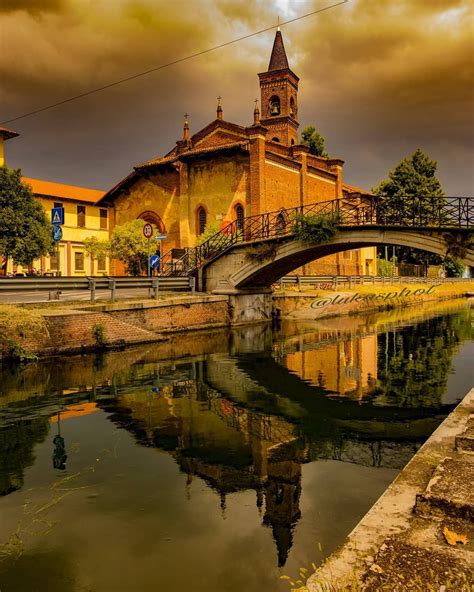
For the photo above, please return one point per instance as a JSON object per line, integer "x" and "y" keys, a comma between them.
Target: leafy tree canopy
{"x": 25, "y": 231}
{"x": 128, "y": 245}
{"x": 211, "y": 229}
{"x": 413, "y": 176}
{"x": 314, "y": 140}
{"x": 95, "y": 247}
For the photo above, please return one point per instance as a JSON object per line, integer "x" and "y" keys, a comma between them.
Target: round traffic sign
{"x": 57, "y": 233}
{"x": 148, "y": 230}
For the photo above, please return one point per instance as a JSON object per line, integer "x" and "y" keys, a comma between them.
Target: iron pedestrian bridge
{"x": 227, "y": 260}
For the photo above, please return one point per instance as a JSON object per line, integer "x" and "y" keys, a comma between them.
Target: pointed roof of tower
{"x": 278, "y": 59}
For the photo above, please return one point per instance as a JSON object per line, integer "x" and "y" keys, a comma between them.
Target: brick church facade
{"x": 227, "y": 171}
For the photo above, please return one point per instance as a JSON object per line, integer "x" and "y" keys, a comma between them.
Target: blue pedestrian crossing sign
{"x": 57, "y": 233}
{"x": 57, "y": 215}
{"x": 154, "y": 261}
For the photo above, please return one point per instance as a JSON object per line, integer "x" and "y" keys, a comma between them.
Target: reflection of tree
{"x": 414, "y": 363}
{"x": 16, "y": 451}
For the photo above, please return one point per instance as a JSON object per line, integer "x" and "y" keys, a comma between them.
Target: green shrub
{"x": 263, "y": 252}
{"x": 211, "y": 229}
{"x": 453, "y": 267}
{"x": 315, "y": 228}
{"x": 385, "y": 268}
{"x": 99, "y": 334}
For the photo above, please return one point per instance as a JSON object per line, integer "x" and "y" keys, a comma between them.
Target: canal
{"x": 217, "y": 461}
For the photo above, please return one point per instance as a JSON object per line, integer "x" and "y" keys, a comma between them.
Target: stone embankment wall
{"x": 116, "y": 325}
{"x": 316, "y": 304}
{"x": 101, "y": 326}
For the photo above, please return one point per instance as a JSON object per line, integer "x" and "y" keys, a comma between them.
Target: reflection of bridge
{"x": 225, "y": 260}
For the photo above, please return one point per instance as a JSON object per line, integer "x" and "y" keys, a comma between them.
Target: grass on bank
{"x": 17, "y": 326}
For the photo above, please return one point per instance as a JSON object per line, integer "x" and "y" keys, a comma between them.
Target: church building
{"x": 227, "y": 171}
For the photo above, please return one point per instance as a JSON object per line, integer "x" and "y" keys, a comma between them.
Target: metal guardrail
{"x": 55, "y": 286}
{"x": 348, "y": 281}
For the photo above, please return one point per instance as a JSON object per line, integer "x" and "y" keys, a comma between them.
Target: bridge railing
{"x": 407, "y": 212}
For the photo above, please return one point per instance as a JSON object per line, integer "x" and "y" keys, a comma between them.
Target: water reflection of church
{"x": 229, "y": 447}
{"x": 249, "y": 421}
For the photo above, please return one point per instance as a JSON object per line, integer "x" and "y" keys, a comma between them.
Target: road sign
{"x": 148, "y": 230}
{"x": 155, "y": 261}
{"x": 57, "y": 233}
{"x": 161, "y": 237}
{"x": 57, "y": 215}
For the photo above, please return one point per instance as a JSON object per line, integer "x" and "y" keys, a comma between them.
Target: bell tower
{"x": 279, "y": 97}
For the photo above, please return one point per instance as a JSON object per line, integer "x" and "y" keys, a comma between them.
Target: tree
{"x": 95, "y": 247}
{"x": 211, "y": 229}
{"x": 25, "y": 231}
{"x": 128, "y": 245}
{"x": 413, "y": 177}
{"x": 314, "y": 140}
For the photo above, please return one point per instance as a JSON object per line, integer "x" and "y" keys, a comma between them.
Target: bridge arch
{"x": 234, "y": 270}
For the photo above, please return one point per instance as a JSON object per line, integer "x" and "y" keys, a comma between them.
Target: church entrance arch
{"x": 153, "y": 218}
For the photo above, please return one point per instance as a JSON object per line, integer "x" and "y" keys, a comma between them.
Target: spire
{"x": 186, "y": 128}
{"x": 219, "y": 108}
{"x": 278, "y": 59}
{"x": 256, "y": 114}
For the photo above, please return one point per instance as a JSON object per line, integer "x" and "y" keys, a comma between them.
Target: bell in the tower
{"x": 274, "y": 106}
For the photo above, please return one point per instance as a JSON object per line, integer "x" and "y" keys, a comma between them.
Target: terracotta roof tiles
{"x": 62, "y": 191}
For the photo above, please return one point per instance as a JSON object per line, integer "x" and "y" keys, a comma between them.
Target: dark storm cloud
{"x": 33, "y": 6}
{"x": 378, "y": 78}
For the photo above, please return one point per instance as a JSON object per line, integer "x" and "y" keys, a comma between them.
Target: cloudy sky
{"x": 378, "y": 78}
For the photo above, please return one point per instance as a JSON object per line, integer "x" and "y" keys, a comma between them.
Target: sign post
{"x": 57, "y": 234}
{"x": 148, "y": 233}
{"x": 161, "y": 238}
{"x": 57, "y": 218}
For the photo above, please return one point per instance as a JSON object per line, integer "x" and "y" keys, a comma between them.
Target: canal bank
{"x": 317, "y": 304}
{"x": 419, "y": 535}
{"x": 46, "y": 330}
{"x": 266, "y": 445}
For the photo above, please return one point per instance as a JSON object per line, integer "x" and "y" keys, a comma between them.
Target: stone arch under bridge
{"x": 234, "y": 271}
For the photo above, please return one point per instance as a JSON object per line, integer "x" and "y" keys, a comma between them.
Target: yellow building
{"x": 82, "y": 219}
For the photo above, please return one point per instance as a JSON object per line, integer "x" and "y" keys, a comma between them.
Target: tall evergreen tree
{"x": 413, "y": 177}
{"x": 314, "y": 140}
{"x": 412, "y": 194}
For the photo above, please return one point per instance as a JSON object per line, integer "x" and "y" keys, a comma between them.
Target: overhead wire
{"x": 168, "y": 64}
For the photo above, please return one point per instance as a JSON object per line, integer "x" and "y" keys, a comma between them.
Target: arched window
{"x": 201, "y": 220}
{"x": 292, "y": 107}
{"x": 239, "y": 216}
{"x": 292, "y": 142}
{"x": 274, "y": 106}
{"x": 275, "y": 139}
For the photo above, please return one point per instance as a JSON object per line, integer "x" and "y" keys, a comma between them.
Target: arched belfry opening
{"x": 274, "y": 106}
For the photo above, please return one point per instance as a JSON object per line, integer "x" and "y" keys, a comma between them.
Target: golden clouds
{"x": 378, "y": 78}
